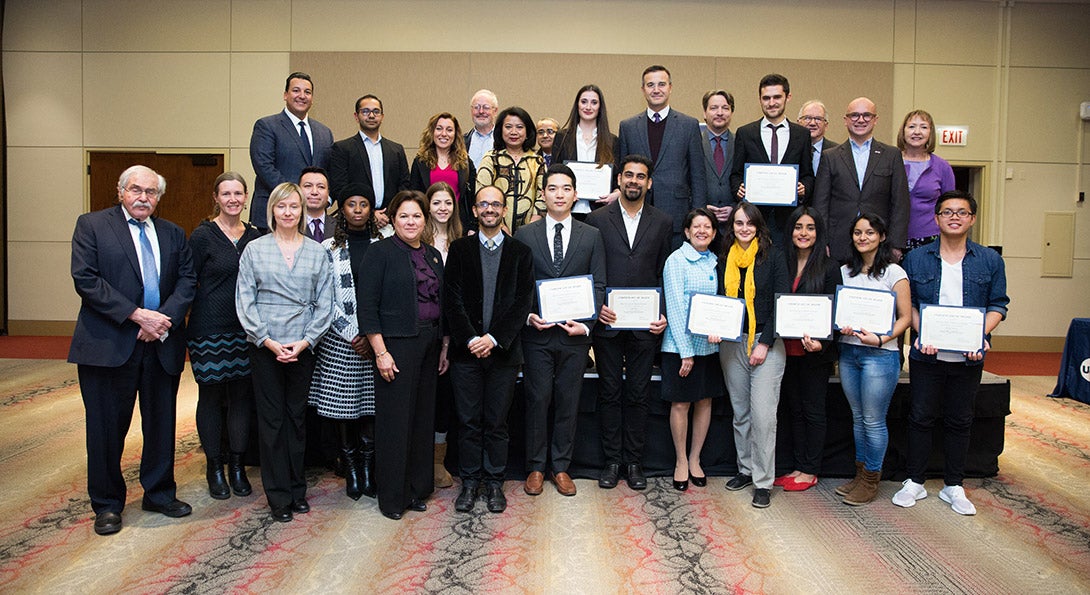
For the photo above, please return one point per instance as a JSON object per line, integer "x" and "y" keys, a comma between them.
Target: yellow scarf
{"x": 738, "y": 259}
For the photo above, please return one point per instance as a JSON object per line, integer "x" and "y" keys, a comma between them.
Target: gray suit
{"x": 278, "y": 155}
{"x": 329, "y": 224}
{"x": 719, "y": 193}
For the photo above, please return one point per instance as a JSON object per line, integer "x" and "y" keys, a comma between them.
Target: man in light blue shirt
{"x": 483, "y": 108}
{"x": 814, "y": 117}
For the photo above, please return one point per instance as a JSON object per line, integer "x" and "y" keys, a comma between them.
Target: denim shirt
{"x": 984, "y": 282}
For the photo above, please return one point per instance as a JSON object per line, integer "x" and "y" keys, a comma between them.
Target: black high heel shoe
{"x": 681, "y": 486}
{"x": 699, "y": 481}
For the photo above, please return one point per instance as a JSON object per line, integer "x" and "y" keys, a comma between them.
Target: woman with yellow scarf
{"x": 753, "y": 270}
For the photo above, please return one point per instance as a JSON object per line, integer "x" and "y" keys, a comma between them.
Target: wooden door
{"x": 188, "y": 199}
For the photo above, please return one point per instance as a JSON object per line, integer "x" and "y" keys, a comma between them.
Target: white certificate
{"x": 566, "y": 298}
{"x": 592, "y": 181}
{"x": 871, "y": 310}
{"x": 799, "y": 314}
{"x": 636, "y": 307}
{"x": 775, "y": 185}
{"x": 952, "y": 328}
{"x": 716, "y": 315}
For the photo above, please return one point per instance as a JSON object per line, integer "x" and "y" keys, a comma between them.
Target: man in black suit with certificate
{"x": 637, "y": 239}
{"x": 488, "y": 288}
{"x": 556, "y": 352}
{"x": 134, "y": 275}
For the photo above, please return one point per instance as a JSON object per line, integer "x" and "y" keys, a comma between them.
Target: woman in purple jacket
{"x": 928, "y": 176}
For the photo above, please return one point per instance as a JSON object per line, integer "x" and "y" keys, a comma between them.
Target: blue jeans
{"x": 869, "y": 377}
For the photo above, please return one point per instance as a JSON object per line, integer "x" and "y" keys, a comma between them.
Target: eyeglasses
{"x": 148, "y": 192}
{"x": 860, "y": 116}
{"x": 481, "y": 107}
{"x": 370, "y": 112}
{"x": 546, "y": 132}
{"x": 809, "y": 119}
{"x": 495, "y": 204}
{"x": 960, "y": 213}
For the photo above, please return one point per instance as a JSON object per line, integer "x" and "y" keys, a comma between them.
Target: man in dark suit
{"x": 283, "y": 144}
{"x": 718, "y": 143}
{"x": 813, "y": 117}
{"x": 483, "y": 108}
{"x": 315, "y": 186}
{"x": 369, "y": 158}
{"x": 672, "y": 141}
{"x": 488, "y": 287}
{"x": 134, "y": 275}
{"x": 773, "y": 139}
{"x": 556, "y": 352}
{"x": 862, "y": 176}
{"x": 637, "y": 241}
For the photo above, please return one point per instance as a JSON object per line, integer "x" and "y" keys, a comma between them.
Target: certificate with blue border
{"x": 566, "y": 298}
{"x": 772, "y": 185}
{"x": 861, "y": 308}
{"x": 799, "y": 314}
{"x": 636, "y": 307}
{"x": 959, "y": 329}
{"x": 716, "y": 315}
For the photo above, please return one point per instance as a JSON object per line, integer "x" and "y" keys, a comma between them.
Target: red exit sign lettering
{"x": 957, "y": 136}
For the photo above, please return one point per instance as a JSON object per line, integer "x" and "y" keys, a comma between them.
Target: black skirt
{"x": 704, "y": 381}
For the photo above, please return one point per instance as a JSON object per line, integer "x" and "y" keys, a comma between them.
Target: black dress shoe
{"x": 497, "y": 502}
{"x": 217, "y": 480}
{"x": 681, "y": 486}
{"x": 173, "y": 509}
{"x": 282, "y": 514}
{"x": 396, "y": 516}
{"x": 634, "y": 476}
{"x": 610, "y": 476}
{"x": 107, "y": 523}
{"x": 417, "y": 505}
{"x": 761, "y": 498}
{"x": 300, "y": 506}
{"x": 738, "y": 482}
{"x": 467, "y": 497}
{"x": 699, "y": 481}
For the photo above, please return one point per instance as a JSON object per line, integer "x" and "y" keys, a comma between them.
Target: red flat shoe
{"x": 791, "y": 485}
{"x": 782, "y": 480}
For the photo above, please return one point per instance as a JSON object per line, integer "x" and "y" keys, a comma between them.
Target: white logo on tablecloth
{"x": 1084, "y": 369}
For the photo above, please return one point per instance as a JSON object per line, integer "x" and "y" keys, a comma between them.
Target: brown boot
{"x": 865, "y": 490}
{"x": 442, "y": 476}
{"x": 847, "y": 488}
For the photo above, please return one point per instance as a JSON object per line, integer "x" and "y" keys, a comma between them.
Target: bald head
{"x": 860, "y": 119}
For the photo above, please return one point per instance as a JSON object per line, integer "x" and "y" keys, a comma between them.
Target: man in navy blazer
{"x": 756, "y": 140}
{"x": 637, "y": 237}
{"x": 134, "y": 275}
{"x": 556, "y": 352}
{"x": 370, "y": 159}
{"x": 672, "y": 141}
{"x": 283, "y": 144}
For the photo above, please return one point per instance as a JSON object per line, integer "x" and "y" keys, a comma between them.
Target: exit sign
{"x": 957, "y": 136}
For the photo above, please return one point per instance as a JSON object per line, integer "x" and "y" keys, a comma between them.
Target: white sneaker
{"x": 907, "y": 496}
{"x": 955, "y": 496}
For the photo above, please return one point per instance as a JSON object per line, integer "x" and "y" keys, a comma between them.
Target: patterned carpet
{"x": 1032, "y": 532}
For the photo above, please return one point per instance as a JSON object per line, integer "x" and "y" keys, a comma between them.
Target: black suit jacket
{"x": 386, "y": 291}
{"x": 420, "y": 179}
{"x": 750, "y": 149}
{"x": 585, "y": 256}
{"x": 349, "y": 163}
{"x": 106, "y": 272}
{"x": 838, "y": 197}
{"x": 463, "y": 296}
{"x": 639, "y": 265}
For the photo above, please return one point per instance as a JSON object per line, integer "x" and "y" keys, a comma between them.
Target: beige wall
{"x": 196, "y": 75}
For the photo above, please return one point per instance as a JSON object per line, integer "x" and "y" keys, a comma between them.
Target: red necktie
{"x": 718, "y": 156}
{"x": 774, "y": 158}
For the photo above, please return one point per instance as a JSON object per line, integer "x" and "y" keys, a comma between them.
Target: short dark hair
{"x": 531, "y": 129}
{"x": 560, "y": 168}
{"x": 956, "y": 195}
{"x": 724, "y": 94}
{"x": 655, "y": 68}
{"x": 297, "y": 75}
{"x": 637, "y": 158}
{"x": 771, "y": 80}
{"x": 314, "y": 169}
{"x": 409, "y": 196}
{"x": 368, "y": 96}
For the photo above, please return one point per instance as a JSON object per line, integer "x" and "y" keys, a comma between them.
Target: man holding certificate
{"x": 637, "y": 241}
{"x": 567, "y": 255}
{"x": 958, "y": 275}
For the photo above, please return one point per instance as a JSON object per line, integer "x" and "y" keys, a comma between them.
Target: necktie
{"x": 306, "y": 141}
{"x": 719, "y": 156}
{"x": 774, "y": 158}
{"x": 490, "y": 244}
{"x": 558, "y": 247}
{"x": 316, "y": 231}
{"x": 150, "y": 274}
{"x": 656, "y": 118}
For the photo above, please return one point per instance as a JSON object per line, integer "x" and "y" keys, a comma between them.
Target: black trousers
{"x": 554, "y": 376}
{"x": 109, "y": 396}
{"x": 946, "y": 391}
{"x": 483, "y": 393}
{"x": 804, "y": 387}
{"x": 405, "y": 421}
{"x": 227, "y": 404}
{"x": 624, "y": 382}
{"x": 280, "y": 397}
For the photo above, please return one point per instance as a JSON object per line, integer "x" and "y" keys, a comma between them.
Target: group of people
{"x": 412, "y": 306}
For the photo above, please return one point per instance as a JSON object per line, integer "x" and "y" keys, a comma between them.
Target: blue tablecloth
{"x": 1074, "y": 379}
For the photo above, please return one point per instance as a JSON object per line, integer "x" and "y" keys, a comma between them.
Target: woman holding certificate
{"x": 809, "y": 360}
{"x": 690, "y": 367}
{"x": 514, "y": 167}
{"x": 578, "y": 140}
{"x": 928, "y": 176}
{"x": 753, "y": 270}
{"x": 870, "y": 360}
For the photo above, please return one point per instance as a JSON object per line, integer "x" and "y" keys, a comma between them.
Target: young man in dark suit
{"x": 134, "y": 275}
{"x": 489, "y": 288}
{"x": 637, "y": 238}
{"x": 556, "y": 352}
{"x": 314, "y": 182}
